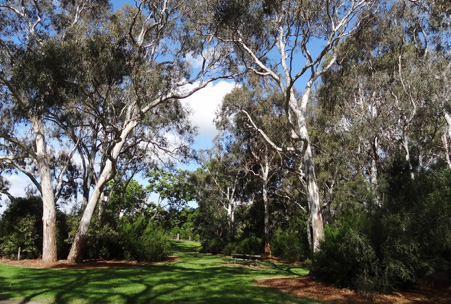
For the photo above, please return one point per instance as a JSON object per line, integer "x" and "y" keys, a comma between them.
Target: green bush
{"x": 346, "y": 259}
{"x": 247, "y": 245}
{"x": 21, "y": 226}
{"x": 23, "y": 235}
{"x": 143, "y": 240}
{"x": 212, "y": 245}
{"x": 104, "y": 242}
{"x": 290, "y": 245}
{"x": 290, "y": 242}
{"x": 405, "y": 240}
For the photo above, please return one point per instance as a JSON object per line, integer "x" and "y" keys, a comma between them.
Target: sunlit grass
{"x": 197, "y": 278}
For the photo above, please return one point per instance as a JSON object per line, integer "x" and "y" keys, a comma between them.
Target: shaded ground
{"x": 87, "y": 264}
{"x": 300, "y": 287}
{"x": 308, "y": 287}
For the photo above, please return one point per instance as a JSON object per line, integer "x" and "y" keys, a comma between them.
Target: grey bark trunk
{"x": 49, "y": 251}
{"x": 268, "y": 252}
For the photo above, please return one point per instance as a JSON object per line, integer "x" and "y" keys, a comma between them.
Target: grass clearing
{"x": 197, "y": 278}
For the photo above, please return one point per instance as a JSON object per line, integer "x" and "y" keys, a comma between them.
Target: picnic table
{"x": 246, "y": 257}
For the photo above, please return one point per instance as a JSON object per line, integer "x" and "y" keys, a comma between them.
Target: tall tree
{"x": 380, "y": 95}
{"x": 289, "y": 43}
{"x": 31, "y": 78}
{"x": 154, "y": 38}
{"x": 256, "y": 156}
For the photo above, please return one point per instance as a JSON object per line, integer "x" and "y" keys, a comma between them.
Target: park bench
{"x": 246, "y": 257}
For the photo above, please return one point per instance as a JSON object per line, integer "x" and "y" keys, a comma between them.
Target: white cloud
{"x": 18, "y": 184}
{"x": 194, "y": 61}
{"x": 204, "y": 105}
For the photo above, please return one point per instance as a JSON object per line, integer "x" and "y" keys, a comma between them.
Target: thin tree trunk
{"x": 408, "y": 160}
{"x": 315, "y": 211}
{"x": 315, "y": 214}
{"x": 267, "y": 232}
{"x": 78, "y": 246}
{"x": 266, "y": 220}
{"x": 374, "y": 170}
{"x": 49, "y": 251}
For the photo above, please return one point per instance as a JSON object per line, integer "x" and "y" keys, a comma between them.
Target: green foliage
{"x": 21, "y": 226}
{"x": 104, "y": 241}
{"x": 175, "y": 187}
{"x": 132, "y": 237}
{"x": 346, "y": 258}
{"x": 405, "y": 240}
{"x": 143, "y": 240}
{"x": 291, "y": 244}
{"x": 247, "y": 245}
{"x": 24, "y": 236}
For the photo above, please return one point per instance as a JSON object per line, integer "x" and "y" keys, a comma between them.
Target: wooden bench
{"x": 245, "y": 257}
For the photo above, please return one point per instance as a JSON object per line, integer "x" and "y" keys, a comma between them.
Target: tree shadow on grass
{"x": 197, "y": 278}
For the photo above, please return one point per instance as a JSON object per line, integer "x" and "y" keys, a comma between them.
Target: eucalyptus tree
{"x": 256, "y": 156}
{"x": 223, "y": 177}
{"x": 155, "y": 40}
{"x": 291, "y": 43}
{"x": 32, "y": 76}
{"x": 387, "y": 92}
{"x": 175, "y": 187}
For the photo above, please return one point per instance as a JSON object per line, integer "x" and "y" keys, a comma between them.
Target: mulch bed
{"x": 308, "y": 287}
{"x": 87, "y": 264}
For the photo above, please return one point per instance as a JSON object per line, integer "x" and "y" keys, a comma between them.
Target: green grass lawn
{"x": 197, "y": 278}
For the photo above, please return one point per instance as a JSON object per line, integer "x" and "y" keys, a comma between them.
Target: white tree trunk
{"x": 315, "y": 212}
{"x": 231, "y": 207}
{"x": 49, "y": 251}
{"x": 406, "y": 148}
{"x": 267, "y": 232}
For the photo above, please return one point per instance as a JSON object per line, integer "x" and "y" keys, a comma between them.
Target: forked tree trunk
{"x": 78, "y": 246}
{"x": 49, "y": 251}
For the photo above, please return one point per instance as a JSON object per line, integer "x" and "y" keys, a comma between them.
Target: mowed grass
{"x": 197, "y": 278}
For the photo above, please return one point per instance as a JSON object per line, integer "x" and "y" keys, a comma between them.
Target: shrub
{"x": 246, "y": 245}
{"x": 21, "y": 226}
{"x": 346, "y": 259}
{"x": 290, "y": 243}
{"x": 395, "y": 245}
{"x": 143, "y": 240}
{"x": 23, "y": 235}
